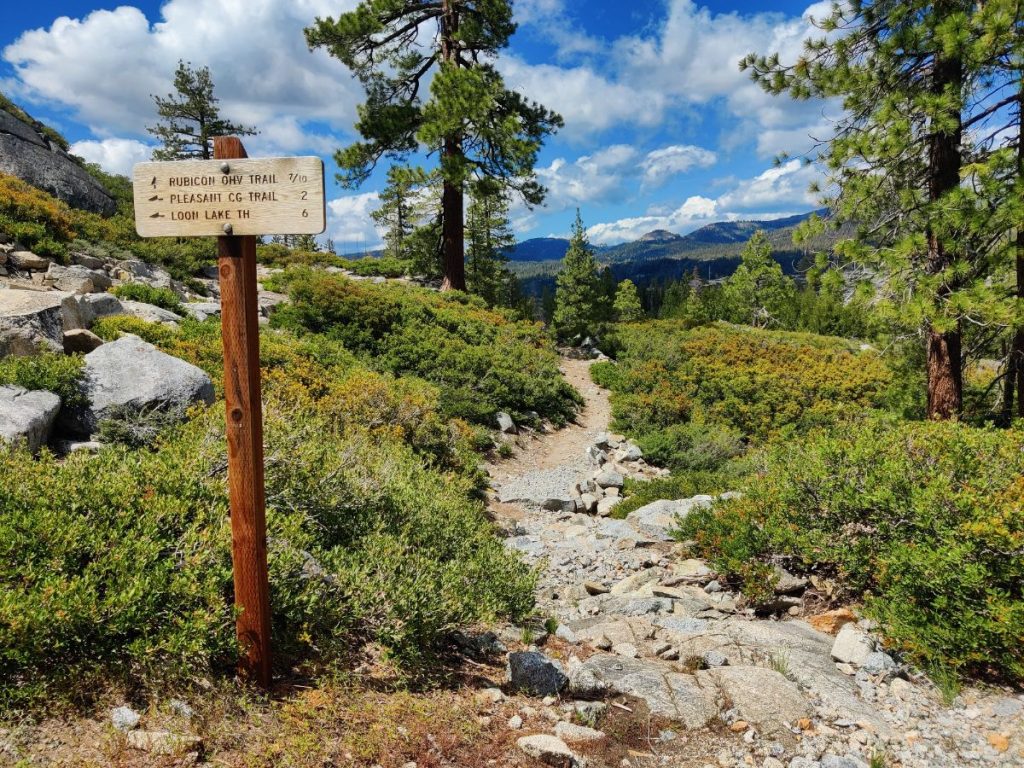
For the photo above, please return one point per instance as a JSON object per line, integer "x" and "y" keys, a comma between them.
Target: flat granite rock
{"x": 666, "y": 692}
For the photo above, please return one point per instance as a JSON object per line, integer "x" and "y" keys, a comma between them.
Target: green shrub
{"x": 923, "y": 521}
{"x": 692, "y": 446}
{"x": 52, "y": 371}
{"x": 763, "y": 383}
{"x": 683, "y": 484}
{"x": 318, "y": 373}
{"x": 383, "y": 266}
{"x": 164, "y": 298}
{"x": 278, "y": 255}
{"x": 116, "y": 568}
{"x": 482, "y": 360}
{"x": 37, "y": 220}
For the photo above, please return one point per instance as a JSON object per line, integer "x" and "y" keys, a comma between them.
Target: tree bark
{"x": 453, "y": 264}
{"x": 1016, "y": 357}
{"x": 945, "y": 363}
{"x": 453, "y": 236}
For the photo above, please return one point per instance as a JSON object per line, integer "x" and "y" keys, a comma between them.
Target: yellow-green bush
{"x": 117, "y": 568}
{"x": 923, "y": 521}
{"x": 37, "y": 220}
{"x": 482, "y": 360}
{"x": 52, "y": 371}
{"x": 763, "y": 383}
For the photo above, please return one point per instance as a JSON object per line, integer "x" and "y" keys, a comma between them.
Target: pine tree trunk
{"x": 1017, "y": 345}
{"x": 453, "y": 236}
{"x": 945, "y": 380}
{"x": 1016, "y": 357}
{"x": 453, "y": 239}
{"x": 945, "y": 364}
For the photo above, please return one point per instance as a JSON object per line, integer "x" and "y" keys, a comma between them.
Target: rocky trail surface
{"x": 706, "y": 681}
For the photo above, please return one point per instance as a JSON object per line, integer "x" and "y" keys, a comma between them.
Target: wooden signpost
{"x": 236, "y": 199}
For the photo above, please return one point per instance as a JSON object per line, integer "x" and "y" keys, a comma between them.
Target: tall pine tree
{"x": 477, "y": 127}
{"x": 580, "y": 302}
{"x": 905, "y": 72}
{"x": 488, "y": 240}
{"x": 190, "y": 118}
{"x": 399, "y": 213}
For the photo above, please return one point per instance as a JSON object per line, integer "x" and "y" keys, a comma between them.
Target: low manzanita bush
{"x": 922, "y": 521}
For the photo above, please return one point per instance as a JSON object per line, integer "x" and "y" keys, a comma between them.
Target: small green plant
{"x": 505, "y": 450}
{"x": 164, "y": 298}
{"x": 130, "y": 427}
{"x": 878, "y": 760}
{"x": 551, "y": 625}
{"x": 779, "y": 661}
{"x": 526, "y": 636}
{"x": 54, "y": 372}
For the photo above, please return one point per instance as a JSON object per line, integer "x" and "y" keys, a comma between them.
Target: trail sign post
{"x": 236, "y": 199}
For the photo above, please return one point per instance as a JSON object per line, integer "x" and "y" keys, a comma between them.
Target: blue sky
{"x": 662, "y": 131}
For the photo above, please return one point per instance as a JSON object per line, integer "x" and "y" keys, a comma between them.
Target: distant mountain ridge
{"x": 659, "y": 243}
{"x": 713, "y": 251}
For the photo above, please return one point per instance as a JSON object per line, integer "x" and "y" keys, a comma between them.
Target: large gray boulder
{"x": 761, "y": 696}
{"x": 32, "y": 320}
{"x": 130, "y": 376}
{"x": 150, "y": 312}
{"x": 27, "y": 417}
{"x": 82, "y": 311}
{"x": 658, "y": 518}
{"x": 77, "y": 279}
{"x": 26, "y": 153}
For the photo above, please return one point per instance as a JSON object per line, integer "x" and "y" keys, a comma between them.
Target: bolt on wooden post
{"x": 236, "y": 198}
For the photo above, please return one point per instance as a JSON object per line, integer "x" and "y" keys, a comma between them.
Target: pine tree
{"x": 627, "y": 306}
{"x": 579, "y": 300}
{"x": 758, "y": 293}
{"x": 189, "y": 119}
{"x": 400, "y": 212}
{"x": 908, "y": 74}
{"x": 547, "y": 305}
{"x": 478, "y": 127}
{"x": 306, "y": 243}
{"x": 489, "y": 238}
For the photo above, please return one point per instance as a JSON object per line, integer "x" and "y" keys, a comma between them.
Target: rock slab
{"x": 27, "y": 417}
{"x": 132, "y": 376}
{"x": 30, "y": 321}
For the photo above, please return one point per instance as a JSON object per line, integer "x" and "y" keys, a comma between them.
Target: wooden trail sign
{"x": 203, "y": 198}
{"x": 288, "y": 198}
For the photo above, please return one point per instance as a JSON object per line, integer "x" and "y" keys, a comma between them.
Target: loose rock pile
{"x": 774, "y": 685}
{"x": 591, "y": 486}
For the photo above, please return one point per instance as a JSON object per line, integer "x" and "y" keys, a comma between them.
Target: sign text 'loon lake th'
{"x": 204, "y": 198}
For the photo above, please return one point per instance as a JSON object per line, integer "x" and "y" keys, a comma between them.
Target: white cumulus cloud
{"x": 105, "y": 66}
{"x": 609, "y": 174}
{"x": 661, "y": 164}
{"x": 114, "y": 155}
{"x": 349, "y": 223}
